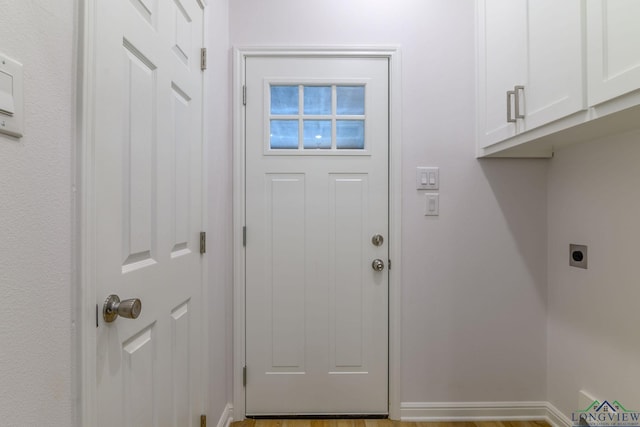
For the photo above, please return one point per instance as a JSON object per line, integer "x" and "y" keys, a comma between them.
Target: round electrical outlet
{"x": 578, "y": 256}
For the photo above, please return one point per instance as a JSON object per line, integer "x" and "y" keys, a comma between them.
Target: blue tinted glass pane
{"x": 284, "y": 134}
{"x": 350, "y": 100}
{"x": 284, "y": 99}
{"x": 317, "y": 134}
{"x": 350, "y": 134}
{"x": 317, "y": 99}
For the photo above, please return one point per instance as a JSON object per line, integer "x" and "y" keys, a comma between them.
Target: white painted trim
{"x": 473, "y": 411}
{"x": 395, "y": 204}
{"x": 395, "y": 229}
{"x": 238, "y": 222}
{"x": 226, "y": 418}
{"x": 76, "y": 218}
{"x": 483, "y": 411}
{"x": 557, "y": 418}
{"x": 205, "y": 404}
{"x": 86, "y": 287}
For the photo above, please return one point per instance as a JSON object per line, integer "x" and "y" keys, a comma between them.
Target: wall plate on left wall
{"x": 11, "y": 97}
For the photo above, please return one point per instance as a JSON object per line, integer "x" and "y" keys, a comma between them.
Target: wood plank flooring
{"x": 382, "y": 423}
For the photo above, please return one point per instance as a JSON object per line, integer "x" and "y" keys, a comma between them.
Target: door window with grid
{"x": 321, "y": 118}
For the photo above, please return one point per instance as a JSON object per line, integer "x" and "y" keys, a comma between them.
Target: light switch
{"x": 7, "y": 106}
{"x": 427, "y": 178}
{"x": 11, "y": 93}
{"x": 432, "y": 204}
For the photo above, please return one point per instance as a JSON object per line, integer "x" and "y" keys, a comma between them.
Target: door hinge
{"x": 244, "y": 236}
{"x": 244, "y": 95}
{"x": 203, "y": 242}
{"x": 203, "y": 421}
{"x": 244, "y": 376}
{"x": 97, "y": 309}
{"x": 389, "y": 264}
{"x": 203, "y": 58}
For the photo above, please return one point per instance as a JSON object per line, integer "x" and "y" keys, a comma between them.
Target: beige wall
{"x": 474, "y": 279}
{"x": 474, "y": 309}
{"x": 35, "y": 219}
{"x": 594, "y": 199}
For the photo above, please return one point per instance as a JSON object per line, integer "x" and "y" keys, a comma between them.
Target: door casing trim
{"x": 85, "y": 395}
{"x": 84, "y": 296}
{"x": 393, "y": 54}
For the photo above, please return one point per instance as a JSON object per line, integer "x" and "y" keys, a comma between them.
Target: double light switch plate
{"x": 427, "y": 178}
{"x": 11, "y": 96}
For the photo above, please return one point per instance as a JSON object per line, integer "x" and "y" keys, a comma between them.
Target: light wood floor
{"x": 382, "y": 423}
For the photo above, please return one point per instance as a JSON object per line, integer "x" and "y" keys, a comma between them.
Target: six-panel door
{"x": 147, "y": 146}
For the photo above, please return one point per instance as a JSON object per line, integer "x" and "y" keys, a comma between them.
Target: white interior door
{"x": 316, "y": 193}
{"x": 147, "y": 112}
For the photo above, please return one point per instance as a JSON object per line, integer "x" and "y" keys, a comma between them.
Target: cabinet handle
{"x": 510, "y": 93}
{"x": 516, "y": 90}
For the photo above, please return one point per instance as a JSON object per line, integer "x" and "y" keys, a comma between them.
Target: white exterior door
{"x": 147, "y": 127}
{"x": 316, "y": 193}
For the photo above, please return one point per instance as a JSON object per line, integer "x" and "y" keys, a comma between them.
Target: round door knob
{"x": 113, "y": 307}
{"x": 377, "y": 265}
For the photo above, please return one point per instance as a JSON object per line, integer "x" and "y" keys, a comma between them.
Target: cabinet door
{"x": 613, "y": 42}
{"x": 555, "y": 82}
{"x": 502, "y": 64}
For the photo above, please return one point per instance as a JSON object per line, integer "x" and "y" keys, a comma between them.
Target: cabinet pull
{"x": 516, "y": 90}
{"x": 511, "y": 93}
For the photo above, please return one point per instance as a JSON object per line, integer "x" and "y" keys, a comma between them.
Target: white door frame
{"x": 84, "y": 357}
{"x": 392, "y": 53}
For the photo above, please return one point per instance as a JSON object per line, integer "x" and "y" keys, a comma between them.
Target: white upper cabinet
{"x": 555, "y": 86}
{"x": 613, "y": 43}
{"x": 552, "y": 73}
{"x": 530, "y": 66}
{"x": 502, "y": 58}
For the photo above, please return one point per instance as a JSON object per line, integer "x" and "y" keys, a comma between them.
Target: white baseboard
{"x": 557, "y": 418}
{"x": 464, "y": 411}
{"x": 479, "y": 411}
{"x": 227, "y": 416}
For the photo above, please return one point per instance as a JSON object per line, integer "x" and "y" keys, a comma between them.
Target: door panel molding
{"x": 393, "y": 54}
